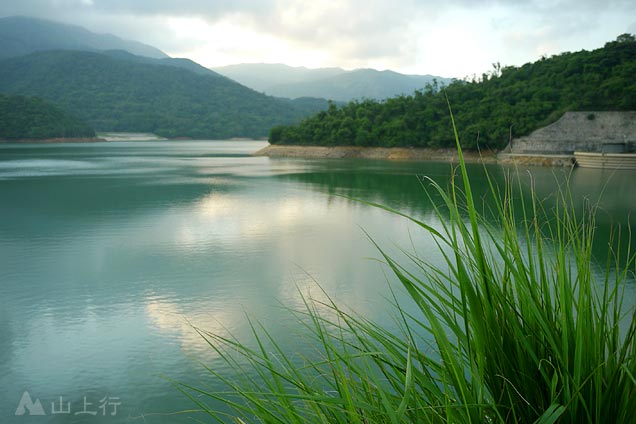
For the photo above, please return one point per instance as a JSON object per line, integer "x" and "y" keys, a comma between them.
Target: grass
{"x": 514, "y": 328}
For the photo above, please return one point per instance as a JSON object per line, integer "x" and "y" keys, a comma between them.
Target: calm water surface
{"x": 110, "y": 252}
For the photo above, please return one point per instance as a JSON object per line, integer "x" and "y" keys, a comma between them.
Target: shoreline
{"x": 54, "y": 140}
{"x": 390, "y": 153}
{"x": 416, "y": 154}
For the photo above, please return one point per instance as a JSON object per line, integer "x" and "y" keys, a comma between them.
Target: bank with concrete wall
{"x": 581, "y": 131}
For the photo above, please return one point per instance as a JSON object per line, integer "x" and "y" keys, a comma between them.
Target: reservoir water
{"x": 111, "y": 252}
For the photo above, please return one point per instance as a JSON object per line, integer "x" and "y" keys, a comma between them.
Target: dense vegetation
{"x": 117, "y": 92}
{"x": 33, "y": 118}
{"x": 507, "y": 102}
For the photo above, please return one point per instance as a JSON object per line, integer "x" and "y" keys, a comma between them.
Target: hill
{"x": 331, "y": 83}
{"x": 22, "y": 35}
{"x": 262, "y": 76}
{"x": 357, "y": 84}
{"x": 117, "y": 91}
{"x": 505, "y": 103}
{"x": 166, "y": 61}
{"x": 33, "y": 118}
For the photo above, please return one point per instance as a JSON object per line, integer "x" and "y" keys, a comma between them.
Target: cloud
{"x": 451, "y": 38}
{"x": 354, "y": 29}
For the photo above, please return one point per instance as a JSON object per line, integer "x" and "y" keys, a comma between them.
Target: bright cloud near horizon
{"x": 456, "y": 38}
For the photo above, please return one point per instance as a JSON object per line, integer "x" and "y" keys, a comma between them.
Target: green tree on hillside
{"x": 33, "y": 118}
{"x": 507, "y": 102}
{"x": 129, "y": 94}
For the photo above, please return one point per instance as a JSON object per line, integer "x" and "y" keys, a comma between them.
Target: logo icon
{"x": 27, "y": 404}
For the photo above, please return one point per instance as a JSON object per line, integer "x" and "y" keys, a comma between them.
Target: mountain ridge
{"x": 119, "y": 92}
{"x": 261, "y": 76}
{"x": 20, "y": 35}
{"x": 331, "y": 83}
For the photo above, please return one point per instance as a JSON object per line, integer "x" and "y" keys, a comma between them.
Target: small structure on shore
{"x": 605, "y": 160}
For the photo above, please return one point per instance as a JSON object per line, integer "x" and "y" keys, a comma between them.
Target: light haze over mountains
{"x": 23, "y": 35}
{"x": 20, "y": 35}
{"x": 98, "y": 79}
{"x": 331, "y": 83}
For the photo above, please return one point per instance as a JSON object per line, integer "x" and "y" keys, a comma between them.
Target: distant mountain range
{"x": 116, "y": 91}
{"x": 331, "y": 83}
{"x": 21, "y": 35}
{"x": 120, "y": 85}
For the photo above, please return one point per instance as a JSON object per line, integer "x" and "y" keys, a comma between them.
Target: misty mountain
{"x": 358, "y": 84}
{"x": 22, "y": 35}
{"x": 263, "y": 76}
{"x": 117, "y": 91}
{"x": 331, "y": 83}
{"x": 183, "y": 63}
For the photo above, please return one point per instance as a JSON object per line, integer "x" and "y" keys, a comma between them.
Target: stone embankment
{"x": 581, "y": 131}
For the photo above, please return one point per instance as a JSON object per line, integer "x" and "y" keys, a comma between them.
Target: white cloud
{"x": 452, "y": 38}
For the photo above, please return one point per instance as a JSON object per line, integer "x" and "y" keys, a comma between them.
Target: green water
{"x": 110, "y": 251}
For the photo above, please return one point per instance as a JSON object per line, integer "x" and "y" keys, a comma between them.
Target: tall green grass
{"x": 515, "y": 327}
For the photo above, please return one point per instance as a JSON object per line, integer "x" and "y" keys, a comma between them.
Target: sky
{"x": 448, "y": 38}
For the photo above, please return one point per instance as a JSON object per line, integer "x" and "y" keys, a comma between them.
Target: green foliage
{"x": 114, "y": 92}
{"x": 515, "y": 328}
{"x": 33, "y": 118}
{"x": 508, "y": 102}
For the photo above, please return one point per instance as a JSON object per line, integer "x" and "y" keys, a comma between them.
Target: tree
{"x": 626, "y": 38}
{"x": 523, "y": 98}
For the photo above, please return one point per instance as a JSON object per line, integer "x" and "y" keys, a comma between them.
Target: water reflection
{"x": 107, "y": 260}
{"x": 405, "y": 187}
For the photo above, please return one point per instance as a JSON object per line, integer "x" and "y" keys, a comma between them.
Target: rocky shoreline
{"x": 391, "y": 153}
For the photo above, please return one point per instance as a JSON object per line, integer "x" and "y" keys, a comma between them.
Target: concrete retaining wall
{"x": 582, "y": 131}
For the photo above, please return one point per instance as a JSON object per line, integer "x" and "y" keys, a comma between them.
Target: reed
{"x": 515, "y": 327}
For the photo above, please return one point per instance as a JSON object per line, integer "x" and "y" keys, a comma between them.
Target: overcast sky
{"x": 449, "y": 38}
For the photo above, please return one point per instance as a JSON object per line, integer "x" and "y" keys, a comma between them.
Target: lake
{"x": 111, "y": 252}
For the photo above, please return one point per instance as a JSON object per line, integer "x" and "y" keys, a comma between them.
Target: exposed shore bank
{"x": 392, "y": 153}
{"x": 55, "y": 140}
{"x": 535, "y": 159}
{"x": 414, "y": 154}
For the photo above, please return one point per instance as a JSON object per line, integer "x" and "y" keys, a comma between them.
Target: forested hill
{"x": 509, "y": 101}
{"x": 116, "y": 92}
{"x": 32, "y": 118}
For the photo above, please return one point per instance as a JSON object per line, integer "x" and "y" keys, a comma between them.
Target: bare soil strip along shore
{"x": 393, "y": 153}
{"x": 55, "y": 140}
